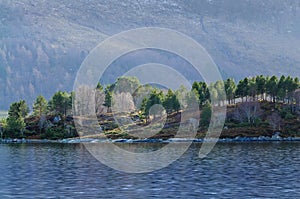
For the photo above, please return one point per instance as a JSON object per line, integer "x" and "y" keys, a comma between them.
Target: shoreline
{"x": 275, "y": 138}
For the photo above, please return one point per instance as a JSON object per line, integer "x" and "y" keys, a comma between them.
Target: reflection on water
{"x": 239, "y": 170}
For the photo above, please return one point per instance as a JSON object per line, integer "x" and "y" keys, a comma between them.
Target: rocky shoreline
{"x": 274, "y": 138}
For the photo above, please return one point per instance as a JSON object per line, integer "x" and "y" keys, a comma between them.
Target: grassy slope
{"x": 110, "y": 129}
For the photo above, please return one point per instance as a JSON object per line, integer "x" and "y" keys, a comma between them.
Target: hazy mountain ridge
{"x": 42, "y": 43}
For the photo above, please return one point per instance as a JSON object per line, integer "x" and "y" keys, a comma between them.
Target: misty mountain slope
{"x": 42, "y": 43}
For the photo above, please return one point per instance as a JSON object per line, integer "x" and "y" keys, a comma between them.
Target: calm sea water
{"x": 231, "y": 170}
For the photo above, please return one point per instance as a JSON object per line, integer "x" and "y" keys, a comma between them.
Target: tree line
{"x": 127, "y": 94}
{"x": 14, "y": 125}
{"x": 261, "y": 87}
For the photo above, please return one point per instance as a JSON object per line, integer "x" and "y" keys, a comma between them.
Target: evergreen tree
{"x": 246, "y": 88}
{"x": 272, "y": 87}
{"x": 205, "y": 115}
{"x": 40, "y": 106}
{"x": 142, "y": 113}
{"x": 60, "y": 103}
{"x": 202, "y": 91}
{"x": 15, "y": 124}
{"x": 243, "y": 89}
{"x": 14, "y": 127}
{"x": 171, "y": 102}
{"x": 156, "y": 97}
{"x": 239, "y": 90}
{"x": 18, "y": 109}
{"x": 261, "y": 85}
{"x": 168, "y": 101}
{"x": 252, "y": 88}
{"x": 283, "y": 85}
{"x": 221, "y": 92}
{"x": 108, "y": 98}
{"x": 230, "y": 89}
{"x": 99, "y": 87}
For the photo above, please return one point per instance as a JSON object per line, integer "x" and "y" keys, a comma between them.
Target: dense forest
{"x": 261, "y": 102}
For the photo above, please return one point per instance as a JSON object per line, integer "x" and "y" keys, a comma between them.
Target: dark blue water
{"x": 232, "y": 170}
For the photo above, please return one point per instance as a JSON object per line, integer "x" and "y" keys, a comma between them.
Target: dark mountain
{"x": 42, "y": 43}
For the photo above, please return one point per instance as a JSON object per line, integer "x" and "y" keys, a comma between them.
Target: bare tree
{"x": 275, "y": 121}
{"x": 249, "y": 111}
{"x": 237, "y": 115}
{"x": 84, "y": 105}
{"x": 123, "y": 102}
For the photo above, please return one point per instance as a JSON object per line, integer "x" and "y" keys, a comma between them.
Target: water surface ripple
{"x": 231, "y": 170}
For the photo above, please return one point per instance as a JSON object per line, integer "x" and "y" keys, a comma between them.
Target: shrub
{"x": 286, "y": 114}
{"x": 52, "y": 134}
{"x": 289, "y": 116}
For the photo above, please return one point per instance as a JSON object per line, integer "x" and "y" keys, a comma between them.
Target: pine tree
{"x": 171, "y": 102}
{"x": 230, "y": 89}
{"x": 108, "y": 98}
{"x": 205, "y": 115}
{"x": 40, "y": 106}
{"x": 18, "y": 109}
{"x": 272, "y": 87}
{"x": 60, "y": 103}
{"x": 261, "y": 85}
{"x": 15, "y": 124}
